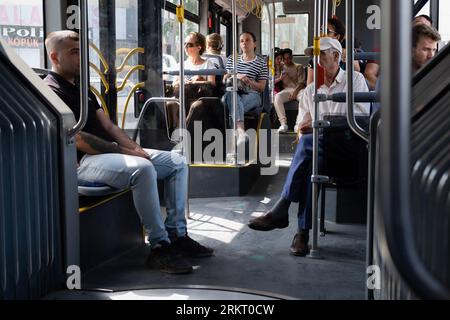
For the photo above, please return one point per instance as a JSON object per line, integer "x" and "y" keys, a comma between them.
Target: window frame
{"x": 268, "y": 10}
{"x": 169, "y": 6}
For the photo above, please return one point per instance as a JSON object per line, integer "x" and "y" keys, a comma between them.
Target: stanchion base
{"x": 314, "y": 254}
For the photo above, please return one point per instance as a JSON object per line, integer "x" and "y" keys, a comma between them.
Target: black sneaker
{"x": 168, "y": 260}
{"x": 191, "y": 248}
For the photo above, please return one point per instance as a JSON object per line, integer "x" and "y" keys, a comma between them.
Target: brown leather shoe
{"x": 299, "y": 246}
{"x": 268, "y": 222}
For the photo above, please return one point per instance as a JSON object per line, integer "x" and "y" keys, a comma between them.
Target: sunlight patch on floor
{"x": 216, "y": 228}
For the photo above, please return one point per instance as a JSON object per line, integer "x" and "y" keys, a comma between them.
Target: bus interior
{"x": 380, "y": 221}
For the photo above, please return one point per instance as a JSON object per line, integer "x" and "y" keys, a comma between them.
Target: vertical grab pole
{"x": 235, "y": 86}
{"x": 84, "y": 70}
{"x": 272, "y": 49}
{"x": 182, "y": 125}
{"x": 314, "y": 253}
{"x": 324, "y": 19}
{"x": 350, "y": 26}
{"x": 350, "y": 56}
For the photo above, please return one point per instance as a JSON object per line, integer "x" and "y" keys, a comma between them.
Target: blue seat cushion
{"x": 95, "y": 189}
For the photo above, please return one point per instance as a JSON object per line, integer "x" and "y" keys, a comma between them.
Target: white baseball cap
{"x": 325, "y": 44}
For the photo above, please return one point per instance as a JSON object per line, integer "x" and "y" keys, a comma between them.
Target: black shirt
{"x": 70, "y": 94}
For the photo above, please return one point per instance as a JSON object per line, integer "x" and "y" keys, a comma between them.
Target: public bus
{"x": 380, "y": 223}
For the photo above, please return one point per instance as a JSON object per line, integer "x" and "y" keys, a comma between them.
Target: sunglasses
{"x": 190, "y": 45}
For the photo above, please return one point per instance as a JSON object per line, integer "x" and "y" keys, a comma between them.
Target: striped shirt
{"x": 256, "y": 69}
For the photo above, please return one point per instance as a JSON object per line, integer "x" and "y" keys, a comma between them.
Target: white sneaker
{"x": 283, "y": 128}
{"x": 242, "y": 139}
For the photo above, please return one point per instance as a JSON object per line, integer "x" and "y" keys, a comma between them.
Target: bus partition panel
{"x": 33, "y": 204}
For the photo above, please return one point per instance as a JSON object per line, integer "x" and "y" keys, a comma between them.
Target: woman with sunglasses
{"x": 195, "y": 86}
{"x": 253, "y": 73}
{"x": 195, "y": 47}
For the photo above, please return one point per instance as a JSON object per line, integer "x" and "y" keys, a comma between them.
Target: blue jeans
{"x": 245, "y": 103}
{"x": 141, "y": 175}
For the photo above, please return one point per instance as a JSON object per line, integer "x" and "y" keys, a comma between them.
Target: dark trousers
{"x": 338, "y": 154}
{"x": 297, "y": 187}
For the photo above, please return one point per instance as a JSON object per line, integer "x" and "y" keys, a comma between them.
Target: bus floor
{"x": 247, "y": 264}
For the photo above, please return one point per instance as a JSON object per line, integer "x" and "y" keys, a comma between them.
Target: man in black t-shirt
{"x": 108, "y": 156}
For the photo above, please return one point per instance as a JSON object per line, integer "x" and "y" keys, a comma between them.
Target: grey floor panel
{"x": 249, "y": 261}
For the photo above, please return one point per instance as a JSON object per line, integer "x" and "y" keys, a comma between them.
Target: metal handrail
{"x": 350, "y": 5}
{"x": 203, "y": 72}
{"x": 235, "y": 82}
{"x": 360, "y": 97}
{"x": 315, "y": 179}
{"x": 373, "y": 128}
{"x": 272, "y": 19}
{"x": 395, "y": 148}
{"x": 84, "y": 70}
{"x": 144, "y": 110}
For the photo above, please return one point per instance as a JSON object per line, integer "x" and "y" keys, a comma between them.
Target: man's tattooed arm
{"x": 91, "y": 144}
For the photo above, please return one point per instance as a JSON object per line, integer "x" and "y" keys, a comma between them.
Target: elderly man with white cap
{"x": 297, "y": 187}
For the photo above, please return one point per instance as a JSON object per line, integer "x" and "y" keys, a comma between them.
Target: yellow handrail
{"x": 101, "y": 57}
{"x": 124, "y": 82}
{"x": 180, "y": 14}
{"x": 127, "y": 102}
{"x": 102, "y": 101}
{"x": 128, "y": 56}
{"x": 101, "y": 75}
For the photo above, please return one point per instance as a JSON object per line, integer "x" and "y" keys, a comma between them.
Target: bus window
{"x": 223, "y": 34}
{"x": 22, "y": 27}
{"x": 171, "y": 45}
{"x": 291, "y": 30}
{"x": 444, "y": 22}
{"x": 126, "y": 40}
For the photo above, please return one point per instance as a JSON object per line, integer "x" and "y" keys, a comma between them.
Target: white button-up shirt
{"x": 333, "y": 108}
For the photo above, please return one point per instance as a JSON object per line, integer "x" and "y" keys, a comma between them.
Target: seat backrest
{"x": 345, "y": 155}
{"x": 265, "y": 98}
{"x": 218, "y": 62}
{"x": 216, "y": 59}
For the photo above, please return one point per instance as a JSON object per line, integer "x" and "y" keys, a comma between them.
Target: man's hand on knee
{"x": 137, "y": 152}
